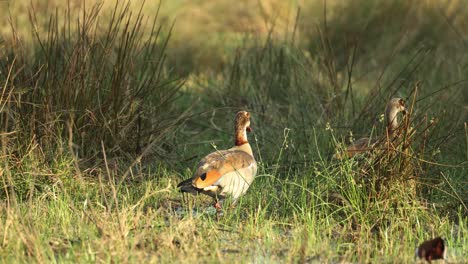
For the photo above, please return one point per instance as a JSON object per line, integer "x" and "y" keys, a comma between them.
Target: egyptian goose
{"x": 226, "y": 172}
{"x": 431, "y": 250}
{"x": 394, "y": 106}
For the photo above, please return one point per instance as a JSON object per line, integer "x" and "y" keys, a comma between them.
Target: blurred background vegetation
{"x": 119, "y": 88}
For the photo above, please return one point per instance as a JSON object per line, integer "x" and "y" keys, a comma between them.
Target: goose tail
{"x": 186, "y": 186}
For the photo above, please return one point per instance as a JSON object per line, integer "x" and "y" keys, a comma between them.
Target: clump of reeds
{"x": 86, "y": 85}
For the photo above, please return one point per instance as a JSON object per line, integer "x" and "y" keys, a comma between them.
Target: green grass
{"x": 100, "y": 118}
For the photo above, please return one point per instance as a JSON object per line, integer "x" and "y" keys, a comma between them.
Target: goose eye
{"x": 203, "y": 176}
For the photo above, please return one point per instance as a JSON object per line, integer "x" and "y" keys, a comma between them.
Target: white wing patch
{"x": 212, "y": 188}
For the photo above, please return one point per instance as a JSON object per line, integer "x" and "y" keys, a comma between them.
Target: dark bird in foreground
{"x": 431, "y": 249}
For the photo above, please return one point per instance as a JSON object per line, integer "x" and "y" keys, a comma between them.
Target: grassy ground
{"x": 104, "y": 111}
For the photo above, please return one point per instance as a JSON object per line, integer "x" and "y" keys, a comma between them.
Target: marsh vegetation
{"x": 106, "y": 106}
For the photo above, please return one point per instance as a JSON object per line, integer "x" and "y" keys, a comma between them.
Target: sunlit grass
{"x": 98, "y": 125}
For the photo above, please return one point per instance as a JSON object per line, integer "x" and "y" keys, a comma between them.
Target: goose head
{"x": 394, "y": 107}
{"x": 242, "y": 126}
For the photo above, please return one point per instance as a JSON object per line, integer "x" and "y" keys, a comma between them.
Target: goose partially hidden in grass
{"x": 226, "y": 172}
{"x": 394, "y": 107}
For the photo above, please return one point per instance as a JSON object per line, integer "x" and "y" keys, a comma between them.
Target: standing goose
{"x": 395, "y": 106}
{"x": 226, "y": 172}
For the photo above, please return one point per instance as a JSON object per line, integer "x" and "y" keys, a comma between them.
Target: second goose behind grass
{"x": 394, "y": 107}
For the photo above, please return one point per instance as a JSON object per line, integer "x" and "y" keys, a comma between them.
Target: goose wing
{"x": 217, "y": 164}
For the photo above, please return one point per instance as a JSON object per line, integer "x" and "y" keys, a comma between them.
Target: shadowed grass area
{"x": 106, "y": 107}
